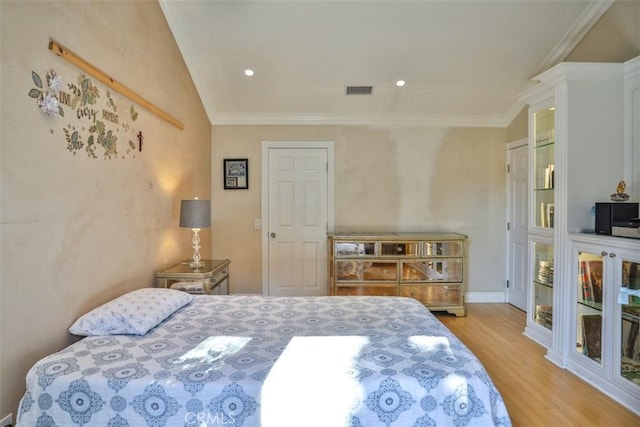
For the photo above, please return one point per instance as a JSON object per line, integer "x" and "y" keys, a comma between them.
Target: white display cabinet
{"x": 583, "y": 138}
{"x": 606, "y": 350}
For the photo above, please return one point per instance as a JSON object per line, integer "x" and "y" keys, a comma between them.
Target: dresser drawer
{"x": 356, "y": 270}
{"x": 396, "y": 249}
{"x": 447, "y": 248}
{"x": 434, "y": 295}
{"x": 432, "y": 270}
{"x": 368, "y": 290}
{"x": 355, "y": 248}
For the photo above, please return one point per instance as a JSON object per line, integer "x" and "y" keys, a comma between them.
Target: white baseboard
{"x": 6, "y": 421}
{"x": 480, "y": 297}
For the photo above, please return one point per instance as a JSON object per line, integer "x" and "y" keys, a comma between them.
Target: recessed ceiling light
{"x": 248, "y": 72}
{"x": 400, "y": 83}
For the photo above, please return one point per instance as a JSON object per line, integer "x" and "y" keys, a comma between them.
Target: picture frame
{"x": 236, "y": 174}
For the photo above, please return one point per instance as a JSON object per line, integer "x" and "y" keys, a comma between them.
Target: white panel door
{"x": 297, "y": 222}
{"x": 517, "y": 234}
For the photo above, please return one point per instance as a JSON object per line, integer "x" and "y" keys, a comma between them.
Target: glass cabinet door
{"x": 544, "y": 168}
{"x": 543, "y": 284}
{"x": 589, "y": 310}
{"x": 630, "y": 316}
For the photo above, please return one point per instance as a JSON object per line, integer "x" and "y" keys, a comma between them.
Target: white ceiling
{"x": 464, "y": 61}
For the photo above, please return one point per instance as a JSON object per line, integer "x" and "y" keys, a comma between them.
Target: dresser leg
{"x": 459, "y": 312}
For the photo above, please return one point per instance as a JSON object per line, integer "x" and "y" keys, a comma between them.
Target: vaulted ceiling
{"x": 464, "y": 61}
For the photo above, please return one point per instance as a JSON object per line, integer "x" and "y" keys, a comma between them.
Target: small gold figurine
{"x": 620, "y": 195}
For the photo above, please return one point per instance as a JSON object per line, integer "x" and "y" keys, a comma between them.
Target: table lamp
{"x": 195, "y": 214}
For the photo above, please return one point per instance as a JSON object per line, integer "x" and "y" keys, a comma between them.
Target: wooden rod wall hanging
{"x": 112, "y": 83}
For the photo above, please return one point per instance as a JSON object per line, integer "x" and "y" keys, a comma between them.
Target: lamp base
{"x": 196, "y": 264}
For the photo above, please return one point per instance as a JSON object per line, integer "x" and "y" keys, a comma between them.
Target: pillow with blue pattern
{"x": 133, "y": 313}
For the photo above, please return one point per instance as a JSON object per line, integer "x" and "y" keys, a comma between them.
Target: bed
{"x": 267, "y": 361}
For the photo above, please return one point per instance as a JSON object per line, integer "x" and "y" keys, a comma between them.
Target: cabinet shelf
{"x": 593, "y": 305}
{"x": 631, "y": 313}
{"x": 545, "y": 284}
{"x": 544, "y": 143}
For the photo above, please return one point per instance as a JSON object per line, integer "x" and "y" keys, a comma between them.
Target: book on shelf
{"x": 585, "y": 282}
{"x": 549, "y": 176}
{"x": 547, "y": 211}
{"x": 550, "y": 210}
{"x": 595, "y": 279}
{"x": 545, "y": 272}
{"x": 591, "y": 280}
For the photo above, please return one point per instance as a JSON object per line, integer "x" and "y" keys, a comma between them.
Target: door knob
{"x": 273, "y": 235}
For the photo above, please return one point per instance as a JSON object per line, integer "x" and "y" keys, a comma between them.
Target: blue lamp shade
{"x": 195, "y": 213}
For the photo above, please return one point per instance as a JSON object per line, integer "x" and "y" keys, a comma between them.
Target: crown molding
{"x": 366, "y": 120}
{"x": 592, "y": 13}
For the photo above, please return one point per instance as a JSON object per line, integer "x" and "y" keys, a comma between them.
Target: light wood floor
{"x": 536, "y": 392}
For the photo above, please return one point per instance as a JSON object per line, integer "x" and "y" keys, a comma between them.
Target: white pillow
{"x": 132, "y": 313}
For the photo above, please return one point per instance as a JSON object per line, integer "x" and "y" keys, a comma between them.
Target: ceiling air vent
{"x": 359, "y": 90}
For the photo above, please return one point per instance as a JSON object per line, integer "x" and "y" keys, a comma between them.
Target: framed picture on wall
{"x": 236, "y": 174}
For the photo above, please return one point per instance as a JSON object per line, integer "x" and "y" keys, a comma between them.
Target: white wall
{"x": 78, "y": 231}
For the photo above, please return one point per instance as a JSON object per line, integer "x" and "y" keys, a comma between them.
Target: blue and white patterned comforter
{"x": 252, "y": 360}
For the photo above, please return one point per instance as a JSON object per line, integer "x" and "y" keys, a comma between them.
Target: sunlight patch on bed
{"x": 213, "y": 349}
{"x": 429, "y": 344}
{"x": 314, "y": 379}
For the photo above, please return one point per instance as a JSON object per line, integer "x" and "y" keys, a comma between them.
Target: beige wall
{"x": 78, "y": 231}
{"x": 614, "y": 38}
{"x": 518, "y": 128}
{"x": 398, "y": 178}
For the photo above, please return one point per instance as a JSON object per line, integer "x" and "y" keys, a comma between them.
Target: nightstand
{"x": 210, "y": 279}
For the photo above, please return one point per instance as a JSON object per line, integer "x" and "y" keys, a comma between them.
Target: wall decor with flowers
{"x": 97, "y": 125}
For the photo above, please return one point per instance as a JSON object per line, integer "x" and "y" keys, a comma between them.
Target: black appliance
{"x": 610, "y": 212}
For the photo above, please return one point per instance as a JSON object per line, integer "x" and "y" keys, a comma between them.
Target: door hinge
{"x": 507, "y": 284}
{"x": 508, "y": 168}
{"x": 508, "y": 226}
